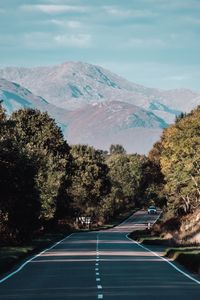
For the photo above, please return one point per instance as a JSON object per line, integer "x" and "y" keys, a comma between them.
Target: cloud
{"x": 9, "y": 40}
{"x": 72, "y": 24}
{"x": 192, "y": 20}
{"x": 41, "y": 40}
{"x": 145, "y": 43}
{"x": 127, "y": 13}
{"x": 72, "y": 40}
{"x": 177, "y": 77}
{"x": 155, "y": 74}
{"x": 175, "y": 4}
{"x": 55, "y": 9}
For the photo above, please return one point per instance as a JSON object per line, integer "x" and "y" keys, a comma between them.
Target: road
{"x": 100, "y": 265}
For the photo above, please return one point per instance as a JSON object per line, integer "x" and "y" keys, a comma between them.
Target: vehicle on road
{"x": 152, "y": 210}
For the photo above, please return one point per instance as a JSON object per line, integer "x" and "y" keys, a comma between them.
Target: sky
{"x": 155, "y": 43}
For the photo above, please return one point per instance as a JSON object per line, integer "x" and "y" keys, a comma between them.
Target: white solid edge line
{"x": 29, "y": 260}
{"x": 166, "y": 260}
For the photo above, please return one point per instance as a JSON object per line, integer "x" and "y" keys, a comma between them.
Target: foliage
{"x": 46, "y": 182}
{"x": 180, "y": 163}
{"x": 154, "y": 154}
{"x": 39, "y": 135}
{"x": 117, "y": 149}
{"x": 90, "y": 182}
{"x": 2, "y": 113}
{"x": 19, "y": 203}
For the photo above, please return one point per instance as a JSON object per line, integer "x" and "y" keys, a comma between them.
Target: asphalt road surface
{"x": 100, "y": 265}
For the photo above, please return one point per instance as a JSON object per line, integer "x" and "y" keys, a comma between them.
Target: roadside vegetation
{"x": 177, "y": 154}
{"x": 48, "y": 185}
{"x": 189, "y": 257}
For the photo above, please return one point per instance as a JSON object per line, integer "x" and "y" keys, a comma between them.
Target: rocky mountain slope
{"x": 98, "y": 124}
{"x": 16, "y": 97}
{"x": 96, "y": 106}
{"x": 75, "y": 84}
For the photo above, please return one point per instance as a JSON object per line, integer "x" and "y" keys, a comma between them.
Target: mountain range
{"x": 94, "y": 106}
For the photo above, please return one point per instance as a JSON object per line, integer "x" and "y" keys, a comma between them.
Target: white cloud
{"x": 155, "y": 74}
{"x": 73, "y": 40}
{"x": 175, "y": 4}
{"x": 176, "y": 77}
{"x": 42, "y": 40}
{"x": 54, "y": 9}
{"x": 72, "y": 24}
{"x": 120, "y": 12}
{"x": 145, "y": 43}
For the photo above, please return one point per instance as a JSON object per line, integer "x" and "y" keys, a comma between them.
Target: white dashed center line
{"x": 99, "y": 286}
{"x": 98, "y": 279}
{"x": 99, "y": 296}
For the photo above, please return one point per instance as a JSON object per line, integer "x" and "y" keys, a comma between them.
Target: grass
{"x": 148, "y": 238}
{"x": 11, "y": 255}
{"x": 189, "y": 257}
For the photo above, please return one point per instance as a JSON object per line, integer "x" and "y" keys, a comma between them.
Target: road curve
{"x": 100, "y": 265}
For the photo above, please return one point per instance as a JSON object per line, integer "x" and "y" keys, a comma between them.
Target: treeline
{"x": 44, "y": 182}
{"x": 178, "y": 154}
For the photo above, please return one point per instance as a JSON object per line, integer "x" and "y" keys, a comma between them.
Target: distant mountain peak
{"x": 92, "y": 103}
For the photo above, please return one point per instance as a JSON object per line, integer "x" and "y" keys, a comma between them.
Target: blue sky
{"x": 152, "y": 42}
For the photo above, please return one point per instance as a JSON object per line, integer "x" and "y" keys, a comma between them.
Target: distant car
{"x": 152, "y": 210}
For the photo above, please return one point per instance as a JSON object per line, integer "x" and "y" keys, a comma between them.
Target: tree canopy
{"x": 180, "y": 163}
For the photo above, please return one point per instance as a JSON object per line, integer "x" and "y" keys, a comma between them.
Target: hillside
{"x": 180, "y": 164}
{"x": 16, "y": 97}
{"x": 72, "y": 85}
{"x": 94, "y": 106}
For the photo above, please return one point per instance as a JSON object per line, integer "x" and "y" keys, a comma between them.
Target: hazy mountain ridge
{"x": 75, "y": 84}
{"x": 95, "y": 106}
{"x": 16, "y": 97}
{"x": 98, "y": 124}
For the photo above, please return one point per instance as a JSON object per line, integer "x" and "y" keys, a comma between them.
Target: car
{"x": 152, "y": 210}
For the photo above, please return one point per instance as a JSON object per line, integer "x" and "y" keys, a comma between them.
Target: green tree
{"x": 39, "y": 135}
{"x": 180, "y": 163}
{"x": 117, "y": 149}
{"x": 2, "y": 113}
{"x": 124, "y": 185}
{"x": 19, "y": 202}
{"x": 154, "y": 154}
{"x": 90, "y": 182}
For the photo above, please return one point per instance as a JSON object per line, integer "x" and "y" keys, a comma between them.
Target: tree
{"x": 180, "y": 164}
{"x": 90, "y": 182}
{"x": 117, "y": 149}
{"x": 19, "y": 202}
{"x": 2, "y": 113}
{"x": 124, "y": 185}
{"x": 154, "y": 154}
{"x": 39, "y": 135}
